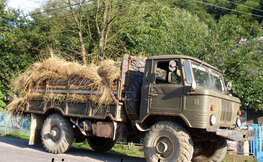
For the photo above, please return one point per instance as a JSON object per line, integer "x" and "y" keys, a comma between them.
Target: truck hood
{"x": 213, "y": 93}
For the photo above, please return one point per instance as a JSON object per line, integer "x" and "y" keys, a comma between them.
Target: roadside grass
{"x": 16, "y": 135}
{"x": 128, "y": 150}
{"x": 131, "y": 149}
{"x": 239, "y": 158}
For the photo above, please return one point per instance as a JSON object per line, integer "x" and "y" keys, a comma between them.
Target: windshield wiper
{"x": 199, "y": 66}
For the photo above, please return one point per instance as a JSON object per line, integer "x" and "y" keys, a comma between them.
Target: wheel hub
{"x": 164, "y": 147}
{"x": 161, "y": 147}
{"x": 54, "y": 132}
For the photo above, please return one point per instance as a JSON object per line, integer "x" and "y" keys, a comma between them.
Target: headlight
{"x": 238, "y": 122}
{"x": 212, "y": 119}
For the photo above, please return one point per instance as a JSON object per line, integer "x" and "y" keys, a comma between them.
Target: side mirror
{"x": 229, "y": 86}
{"x": 193, "y": 85}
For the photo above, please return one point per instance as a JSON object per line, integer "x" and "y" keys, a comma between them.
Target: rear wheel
{"x": 210, "y": 151}
{"x": 100, "y": 144}
{"x": 168, "y": 141}
{"x": 57, "y": 134}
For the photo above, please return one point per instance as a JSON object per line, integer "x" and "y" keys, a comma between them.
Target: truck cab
{"x": 193, "y": 95}
{"x": 194, "y": 91}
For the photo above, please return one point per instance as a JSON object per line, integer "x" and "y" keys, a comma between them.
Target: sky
{"x": 25, "y": 5}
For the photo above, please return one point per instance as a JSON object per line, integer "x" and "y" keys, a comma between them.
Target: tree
{"x": 2, "y": 103}
{"x": 87, "y": 32}
{"x": 243, "y": 66}
{"x": 18, "y": 46}
{"x": 78, "y": 22}
{"x": 154, "y": 29}
{"x": 196, "y": 8}
{"x": 217, "y": 9}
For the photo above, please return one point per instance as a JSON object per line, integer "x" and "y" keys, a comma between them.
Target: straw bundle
{"x": 56, "y": 73}
{"x": 17, "y": 105}
{"x": 109, "y": 70}
{"x": 55, "y": 69}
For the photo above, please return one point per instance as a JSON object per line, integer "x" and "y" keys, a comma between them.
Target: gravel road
{"x": 16, "y": 150}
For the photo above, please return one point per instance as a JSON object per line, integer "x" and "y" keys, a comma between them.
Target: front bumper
{"x": 236, "y": 135}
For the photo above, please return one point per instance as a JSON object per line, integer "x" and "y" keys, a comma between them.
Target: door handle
{"x": 153, "y": 94}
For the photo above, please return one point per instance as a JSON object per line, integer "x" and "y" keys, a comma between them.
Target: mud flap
{"x": 35, "y": 129}
{"x": 104, "y": 129}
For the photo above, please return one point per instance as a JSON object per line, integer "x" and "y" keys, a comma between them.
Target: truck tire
{"x": 211, "y": 151}
{"x": 100, "y": 144}
{"x": 169, "y": 142}
{"x": 57, "y": 134}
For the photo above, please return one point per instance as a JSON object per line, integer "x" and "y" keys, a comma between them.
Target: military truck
{"x": 178, "y": 104}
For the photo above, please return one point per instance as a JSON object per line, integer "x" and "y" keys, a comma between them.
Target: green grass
{"x": 82, "y": 145}
{"x": 239, "y": 158}
{"x": 16, "y": 135}
{"x": 131, "y": 149}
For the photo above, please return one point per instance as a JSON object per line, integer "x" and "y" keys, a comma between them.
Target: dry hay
{"x": 58, "y": 98}
{"x": 51, "y": 73}
{"x": 17, "y": 105}
{"x": 54, "y": 69}
{"x": 109, "y": 70}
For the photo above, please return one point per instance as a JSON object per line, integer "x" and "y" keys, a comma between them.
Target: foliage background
{"x": 224, "y": 38}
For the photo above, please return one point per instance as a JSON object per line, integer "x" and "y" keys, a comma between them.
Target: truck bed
{"x": 81, "y": 110}
{"x": 126, "y": 96}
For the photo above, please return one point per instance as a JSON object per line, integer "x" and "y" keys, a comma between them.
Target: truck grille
{"x": 226, "y": 111}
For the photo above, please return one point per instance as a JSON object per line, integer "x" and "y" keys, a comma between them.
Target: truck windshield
{"x": 206, "y": 77}
{"x": 217, "y": 81}
{"x": 201, "y": 75}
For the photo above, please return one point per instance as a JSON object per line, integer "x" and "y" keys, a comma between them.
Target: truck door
{"x": 166, "y": 90}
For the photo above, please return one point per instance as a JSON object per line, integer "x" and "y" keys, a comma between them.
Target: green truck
{"x": 178, "y": 104}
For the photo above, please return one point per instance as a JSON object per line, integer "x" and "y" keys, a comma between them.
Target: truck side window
{"x": 161, "y": 72}
{"x": 187, "y": 72}
{"x": 164, "y": 75}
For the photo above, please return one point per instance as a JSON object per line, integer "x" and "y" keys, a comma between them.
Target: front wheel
{"x": 57, "y": 134}
{"x": 210, "y": 151}
{"x": 169, "y": 142}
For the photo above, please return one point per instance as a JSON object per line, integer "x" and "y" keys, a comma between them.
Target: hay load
{"x": 53, "y": 79}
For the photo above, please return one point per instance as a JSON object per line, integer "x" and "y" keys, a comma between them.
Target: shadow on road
{"x": 103, "y": 156}
{"x": 76, "y": 152}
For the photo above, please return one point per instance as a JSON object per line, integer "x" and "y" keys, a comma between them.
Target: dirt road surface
{"x": 16, "y": 150}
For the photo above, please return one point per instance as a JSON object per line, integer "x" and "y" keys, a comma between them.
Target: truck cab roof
{"x": 160, "y": 57}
